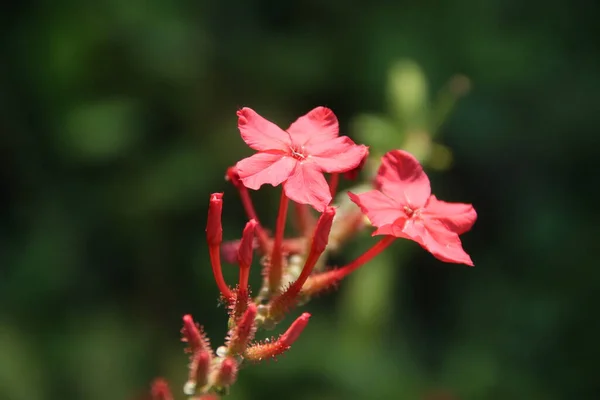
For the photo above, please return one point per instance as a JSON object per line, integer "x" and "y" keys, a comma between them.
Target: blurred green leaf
{"x": 377, "y": 132}
{"x": 408, "y": 97}
{"x": 102, "y": 130}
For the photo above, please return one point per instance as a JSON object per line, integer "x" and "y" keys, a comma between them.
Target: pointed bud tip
{"x": 160, "y": 390}
{"x": 227, "y": 372}
{"x": 304, "y": 317}
{"x": 252, "y": 308}
{"x": 294, "y": 331}
{"x": 214, "y": 229}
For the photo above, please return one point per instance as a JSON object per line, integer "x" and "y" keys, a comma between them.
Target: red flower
{"x": 297, "y": 157}
{"x": 404, "y": 207}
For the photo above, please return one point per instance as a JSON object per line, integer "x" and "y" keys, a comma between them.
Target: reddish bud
{"x": 194, "y": 336}
{"x": 321, "y": 235}
{"x": 214, "y": 237}
{"x": 214, "y": 229}
{"x": 272, "y": 349}
{"x": 199, "y": 369}
{"x": 227, "y": 373}
{"x": 294, "y": 331}
{"x": 160, "y": 390}
{"x": 209, "y": 396}
{"x": 243, "y": 332}
{"x": 247, "y": 245}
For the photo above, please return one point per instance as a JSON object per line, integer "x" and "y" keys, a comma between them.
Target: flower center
{"x": 297, "y": 152}
{"x": 410, "y": 213}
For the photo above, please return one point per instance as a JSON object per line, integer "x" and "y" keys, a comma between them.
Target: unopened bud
{"x": 194, "y": 336}
{"x": 199, "y": 369}
{"x": 243, "y": 332}
{"x": 214, "y": 229}
{"x": 294, "y": 331}
{"x": 227, "y": 373}
{"x": 321, "y": 235}
{"x": 271, "y": 349}
{"x": 247, "y": 245}
{"x": 160, "y": 390}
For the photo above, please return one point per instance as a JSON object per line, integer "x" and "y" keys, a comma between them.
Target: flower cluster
{"x": 294, "y": 269}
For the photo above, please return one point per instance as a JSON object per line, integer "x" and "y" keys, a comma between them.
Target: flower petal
{"x": 380, "y": 209}
{"x": 402, "y": 177}
{"x": 434, "y": 237}
{"x": 262, "y": 168}
{"x": 317, "y": 125}
{"x": 307, "y": 185}
{"x": 337, "y": 155}
{"x": 259, "y": 133}
{"x": 394, "y": 229}
{"x": 458, "y": 217}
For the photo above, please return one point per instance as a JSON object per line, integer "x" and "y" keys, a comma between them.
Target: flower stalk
{"x": 214, "y": 238}
{"x": 276, "y": 265}
{"x": 400, "y": 206}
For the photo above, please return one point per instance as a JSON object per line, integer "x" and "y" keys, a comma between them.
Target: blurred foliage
{"x": 118, "y": 120}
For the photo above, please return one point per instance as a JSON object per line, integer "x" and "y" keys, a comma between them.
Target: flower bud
{"x": 247, "y": 245}
{"x": 227, "y": 373}
{"x": 243, "y": 332}
{"x": 199, "y": 369}
{"x": 194, "y": 336}
{"x": 321, "y": 235}
{"x": 214, "y": 229}
{"x": 271, "y": 349}
{"x": 160, "y": 390}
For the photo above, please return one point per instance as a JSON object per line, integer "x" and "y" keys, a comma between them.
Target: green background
{"x": 117, "y": 120}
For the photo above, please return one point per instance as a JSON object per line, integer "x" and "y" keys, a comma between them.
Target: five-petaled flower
{"x": 298, "y": 156}
{"x": 403, "y": 206}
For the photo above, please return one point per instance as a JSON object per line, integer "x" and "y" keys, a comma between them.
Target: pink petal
{"x": 395, "y": 229}
{"x": 402, "y": 177}
{"x": 307, "y": 185}
{"x": 434, "y": 237}
{"x": 380, "y": 209}
{"x": 263, "y": 168}
{"x": 337, "y": 155}
{"x": 259, "y": 133}
{"x": 317, "y": 125}
{"x": 458, "y": 217}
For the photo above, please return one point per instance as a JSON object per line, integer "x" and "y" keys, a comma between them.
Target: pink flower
{"x": 404, "y": 207}
{"x": 297, "y": 157}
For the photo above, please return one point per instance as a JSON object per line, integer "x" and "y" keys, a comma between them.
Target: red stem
{"x": 334, "y": 179}
{"x": 365, "y": 257}
{"x": 244, "y": 274}
{"x": 309, "y": 265}
{"x": 276, "y": 262}
{"x": 215, "y": 261}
